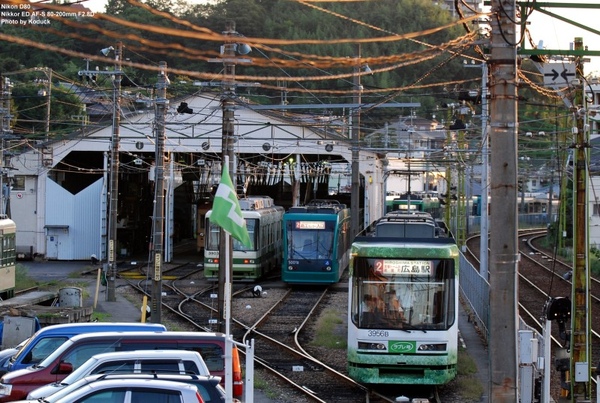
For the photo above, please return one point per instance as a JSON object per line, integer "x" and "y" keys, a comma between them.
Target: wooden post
{"x": 97, "y": 287}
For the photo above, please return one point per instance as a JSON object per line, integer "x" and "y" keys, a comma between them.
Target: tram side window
{"x": 212, "y": 241}
{"x": 8, "y": 253}
{"x": 252, "y": 233}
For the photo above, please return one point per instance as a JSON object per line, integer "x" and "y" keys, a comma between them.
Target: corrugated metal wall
{"x": 81, "y": 213}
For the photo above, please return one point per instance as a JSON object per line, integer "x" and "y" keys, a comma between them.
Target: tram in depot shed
{"x": 403, "y": 310}
{"x": 415, "y": 202}
{"x": 316, "y": 242}
{"x": 264, "y": 222}
{"x": 201, "y": 210}
{"x": 8, "y": 256}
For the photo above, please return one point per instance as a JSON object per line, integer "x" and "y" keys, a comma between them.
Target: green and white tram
{"x": 403, "y": 310}
{"x": 264, "y": 224}
{"x": 8, "y": 256}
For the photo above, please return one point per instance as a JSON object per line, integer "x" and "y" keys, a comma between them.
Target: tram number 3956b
{"x": 378, "y": 333}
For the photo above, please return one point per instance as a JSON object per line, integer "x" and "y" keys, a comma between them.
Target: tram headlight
{"x": 327, "y": 268}
{"x": 290, "y": 268}
{"x": 371, "y": 346}
{"x": 432, "y": 347}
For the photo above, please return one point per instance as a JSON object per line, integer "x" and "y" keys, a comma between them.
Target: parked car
{"x": 208, "y": 386}
{"x": 7, "y": 353}
{"x": 48, "y": 339}
{"x": 134, "y": 391}
{"x": 138, "y": 361}
{"x": 78, "y": 349}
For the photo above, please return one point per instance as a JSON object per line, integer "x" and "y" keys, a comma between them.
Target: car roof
{"x": 208, "y": 381}
{"x": 146, "y": 335}
{"x": 211, "y": 379}
{"x": 87, "y": 325}
{"x": 125, "y": 382}
{"x": 146, "y": 354}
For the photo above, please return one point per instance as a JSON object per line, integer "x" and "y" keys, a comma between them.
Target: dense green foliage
{"x": 279, "y": 19}
{"x": 179, "y": 33}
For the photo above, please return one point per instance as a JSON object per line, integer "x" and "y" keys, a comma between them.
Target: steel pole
{"x": 355, "y": 190}
{"x": 484, "y": 240}
{"x": 580, "y": 303}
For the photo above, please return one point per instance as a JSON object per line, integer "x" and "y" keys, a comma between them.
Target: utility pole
{"x": 159, "y": 195}
{"x": 580, "y": 369}
{"x": 227, "y": 104}
{"x": 228, "y": 85}
{"x": 48, "y": 72}
{"x": 461, "y": 203}
{"x": 504, "y": 216}
{"x": 484, "y": 240}
{"x": 114, "y": 176}
{"x": 5, "y": 133}
{"x": 355, "y": 190}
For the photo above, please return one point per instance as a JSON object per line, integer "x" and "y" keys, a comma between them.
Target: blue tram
{"x": 316, "y": 242}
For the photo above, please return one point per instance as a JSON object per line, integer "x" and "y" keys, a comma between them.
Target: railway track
{"x": 541, "y": 277}
{"x": 279, "y": 322}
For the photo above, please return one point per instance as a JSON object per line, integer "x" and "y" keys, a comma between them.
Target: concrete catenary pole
{"x": 114, "y": 177}
{"x": 227, "y": 105}
{"x": 159, "y": 195}
{"x": 504, "y": 216}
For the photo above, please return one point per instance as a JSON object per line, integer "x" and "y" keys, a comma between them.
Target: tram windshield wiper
{"x": 408, "y": 327}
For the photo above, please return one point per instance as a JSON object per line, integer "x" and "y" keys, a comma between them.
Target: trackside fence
{"x": 475, "y": 295}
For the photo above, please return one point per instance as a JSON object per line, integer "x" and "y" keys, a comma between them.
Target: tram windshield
{"x": 310, "y": 239}
{"x": 403, "y": 294}
{"x": 213, "y": 236}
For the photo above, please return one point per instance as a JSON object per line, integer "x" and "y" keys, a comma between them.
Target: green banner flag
{"x": 226, "y": 211}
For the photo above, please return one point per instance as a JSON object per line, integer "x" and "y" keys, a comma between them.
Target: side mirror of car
{"x": 64, "y": 368}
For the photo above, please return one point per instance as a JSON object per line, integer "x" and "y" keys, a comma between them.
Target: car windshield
{"x": 68, "y": 389}
{"x": 202, "y": 386}
{"x": 38, "y": 349}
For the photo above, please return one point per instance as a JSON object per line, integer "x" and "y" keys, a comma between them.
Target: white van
{"x": 138, "y": 361}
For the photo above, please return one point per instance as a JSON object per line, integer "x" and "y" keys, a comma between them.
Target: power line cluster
{"x": 287, "y": 60}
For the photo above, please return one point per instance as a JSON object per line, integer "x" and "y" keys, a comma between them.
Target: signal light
{"x": 183, "y": 108}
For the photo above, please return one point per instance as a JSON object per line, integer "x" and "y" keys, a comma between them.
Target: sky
{"x": 556, "y": 34}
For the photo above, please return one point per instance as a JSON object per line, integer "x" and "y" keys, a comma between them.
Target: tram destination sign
{"x": 310, "y": 224}
{"x": 406, "y": 267}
